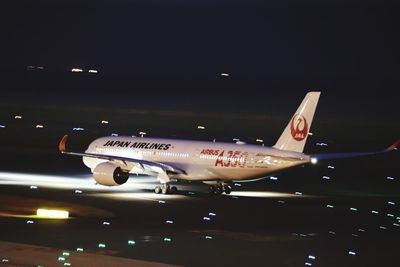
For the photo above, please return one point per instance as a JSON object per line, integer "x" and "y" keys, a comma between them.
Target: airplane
{"x": 113, "y": 158}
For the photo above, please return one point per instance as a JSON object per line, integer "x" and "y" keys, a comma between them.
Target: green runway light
{"x": 101, "y": 245}
{"x": 61, "y": 259}
{"x": 65, "y": 253}
{"x": 131, "y": 242}
{"x": 79, "y": 249}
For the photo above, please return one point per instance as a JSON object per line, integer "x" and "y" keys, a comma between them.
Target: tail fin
{"x": 295, "y": 135}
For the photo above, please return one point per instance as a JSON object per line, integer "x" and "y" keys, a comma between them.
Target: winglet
{"x": 61, "y": 145}
{"x": 395, "y": 146}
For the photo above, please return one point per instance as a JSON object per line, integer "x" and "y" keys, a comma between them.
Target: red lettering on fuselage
{"x": 233, "y": 159}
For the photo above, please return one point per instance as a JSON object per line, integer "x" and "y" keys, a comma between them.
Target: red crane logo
{"x": 299, "y": 127}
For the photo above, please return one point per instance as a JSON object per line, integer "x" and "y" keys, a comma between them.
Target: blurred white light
{"x": 2, "y": 126}
{"x": 262, "y": 194}
{"x": 201, "y": 127}
{"x": 104, "y": 122}
{"x": 390, "y": 178}
{"x": 169, "y": 221}
{"x": 39, "y": 126}
{"x": 106, "y": 223}
{"x": 352, "y": 253}
{"x": 259, "y": 140}
{"x": 206, "y": 218}
{"x": 92, "y": 71}
{"x": 78, "y": 191}
{"x": 326, "y": 177}
{"x": 114, "y": 134}
{"x": 274, "y": 178}
{"x": 310, "y": 133}
{"x": 329, "y": 206}
{"x": 78, "y": 129}
{"x": 76, "y": 70}
{"x": 142, "y": 134}
{"x": 307, "y": 264}
{"x": 33, "y": 187}
{"x": 212, "y": 214}
{"x": 314, "y": 160}
{"x": 391, "y": 203}
{"x": 298, "y": 193}
{"x": 374, "y": 212}
{"x": 331, "y": 167}
{"x": 353, "y": 209}
{"x": 225, "y": 74}
{"x": 17, "y": 117}
{"x": 311, "y": 257}
{"x": 29, "y": 222}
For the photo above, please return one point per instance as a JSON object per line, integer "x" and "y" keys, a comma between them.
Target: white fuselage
{"x": 200, "y": 160}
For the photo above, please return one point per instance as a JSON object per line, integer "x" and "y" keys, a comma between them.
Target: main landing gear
{"x": 165, "y": 189}
{"x": 220, "y": 188}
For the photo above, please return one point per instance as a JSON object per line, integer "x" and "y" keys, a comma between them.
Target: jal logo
{"x": 299, "y": 127}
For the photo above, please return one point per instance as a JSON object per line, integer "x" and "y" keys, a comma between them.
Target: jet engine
{"x": 108, "y": 173}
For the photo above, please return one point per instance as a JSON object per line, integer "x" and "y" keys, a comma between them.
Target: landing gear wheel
{"x": 157, "y": 190}
{"x": 218, "y": 190}
{"x": 165, "y": 189}
{"x": 227, "y": 189}
{"x": 173, "y": 190}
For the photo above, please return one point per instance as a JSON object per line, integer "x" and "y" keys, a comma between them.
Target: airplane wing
{"x": 164, "y": 167}
{"x": 354, "y": 154}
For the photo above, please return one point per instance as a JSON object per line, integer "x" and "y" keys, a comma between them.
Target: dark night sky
{"x": 168, "y": 54}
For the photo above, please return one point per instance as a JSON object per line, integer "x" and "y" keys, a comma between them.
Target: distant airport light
{"x": 2, "y": 126}
{"x": 40, "y": 67}
{"x": 142, "y": 134}
{"x": 311, "y": 257}
{"x": 361, "y": 230}
{"x": 390, "y": 215}
{"x": 331, "y": 167}
{"x": 76, "y": 70}
{"x": 167, "y": 239}
{"x": 224, "y": 74}
{"x": 352, "y": 253}
{"x": 78, "y": 191}
{"x": 326, "y": 177}
{"x": 209, "y": 237}
{"x": 237, "y": 184}
{"x": 78, "y": 129}
{"x": 390, "y": 178}
{"x": 104, "y": 122}
{"x": 382, "y": 227}
{"x": 332, "y": 232}
{"x": 4, "y": 260}
{"x": 65, "y": 253}
{"x": 314, "y": 160}
{"x": 67, "y": 264}
{"x": 353, "y": 209}
{"x": 329, "y": 206}
{"x": 201, "y": 127}
{"x": 79, "y": 249}
{"x": 396, "y": 224}
{"x": 102, "y": 245}
{"x": 259, "y": 140}
{"x": 206, "y": 218}
{"x": 29, "y": 222}
{"x": 52, "y": 214}
{"x": 33, "y": 187}
{"x": 106, "y": 223}
{"x": 375, "y": 212}
{"x": 274, "y": 178}
{"x": 92, "y": 71}
{"x": 161, "y": 201}
{"x": 131, "y": 242}
{"x": 298, "y": 193}
{"x": 391, "y": 203}
{"x": 310, "y": 133}
{"x": 17, "y": 117}
{"x": 169, "y": 221}
{"x": 307, "y": 264}
{"x": 61, "y": 258}
{"x": 39, "y": 126}
{"x": 114, "y": 134}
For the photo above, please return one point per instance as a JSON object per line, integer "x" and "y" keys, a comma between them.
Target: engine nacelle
{"x": 108, "y": 173}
